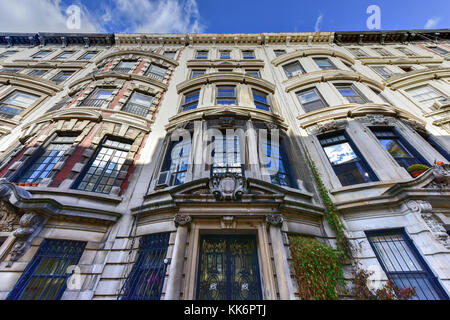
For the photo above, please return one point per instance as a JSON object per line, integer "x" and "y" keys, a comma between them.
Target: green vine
{"x": 317, "y": 267}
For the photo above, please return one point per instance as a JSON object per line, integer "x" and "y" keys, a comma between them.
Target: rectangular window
{"x": 438, "y": 50}
{"x": 226, "y": 155}
{"x": 125, "y": 66}
{"x": 177, "y": 161}
{"x": 197, "y": 72}
{"x": 88, "y": 55}
{"x": 45, "y": 159}
{"x": 346, "y": 160}
{"x": 11, "y": 70}
{"x": 15, "y": 103}
{"x": 351, "y": 93}
{"x": 41, "y": 54}
{"x": 226, "y": 95}
{"x": 170, "y": 54}
{"x": 7, "y": 54}
{"x": 292, "y": 69}
{"x": 398, "y": 148}
{"x": 98, "y": 99}
{"x": 261, "y": 100}
{"x": 62, "y": 76}
{"x": 324, "y": 64}
{"x": 406, "y": 51}
{"x": 383, "y": 71}
{"x": 276, "y": 163}
{"x": 404, "y": 265}
{"x": 253, "y": 73}
{"x": 357, "y": 52}
{"x": 202, "y": 54}
{"x": 38, "y": 72}
{"x": 425, "y": 95}
{"x": 225, "y": 55}
{"x": 139, "y": 104}
{"x": 248, "y": 54}
{"x": 65, "y": 55}
{"x": 100, "y": 174}
{"x": 190, "y": 100}
{"x": 382, "y": 52}
{"x": 146, "y": 279}
{"x": 45, "y": 277}
{"x": 279, "y": 52}
{"x": 156, "y": 72}
{"x": 311, "y": 100}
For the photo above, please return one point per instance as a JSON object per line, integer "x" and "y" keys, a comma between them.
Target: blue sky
{"x": 218, "y": 16}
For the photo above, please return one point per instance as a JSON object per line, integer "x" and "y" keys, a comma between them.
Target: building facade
{"x": 175, "y": 166}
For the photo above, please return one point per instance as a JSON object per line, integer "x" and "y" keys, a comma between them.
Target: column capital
{"x": 275, "y": 220}
{"x": 181, "y": 220}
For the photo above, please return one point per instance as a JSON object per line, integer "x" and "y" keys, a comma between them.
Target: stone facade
{"x": 202, "y": 83}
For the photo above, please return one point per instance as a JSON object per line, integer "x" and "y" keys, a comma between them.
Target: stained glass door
{"x": 228, "y": 268}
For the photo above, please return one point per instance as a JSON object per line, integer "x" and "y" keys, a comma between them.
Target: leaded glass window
{"x": 100, "y": 174}
{"x": 41, "y": 167}
{"x": 146, "y": 279}
{"x": 404, "y": 265}
{"x": 15, "y": 103}
{"x": 138, "y": 104}
{"x": 45, "y": 277}
{"x": 348, "y": 165}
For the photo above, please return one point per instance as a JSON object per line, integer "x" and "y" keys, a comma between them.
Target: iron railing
{"x": 95, "y": 103}
{"x": 136, "y": 109}
{"x": 122, "y": 70}
{"x": 146, "y": 279}
{"x": 155, "y": 76}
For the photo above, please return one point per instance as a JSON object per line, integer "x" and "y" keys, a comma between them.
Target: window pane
{"x": 324, "y": 63}
{"x": 293, "y": 69}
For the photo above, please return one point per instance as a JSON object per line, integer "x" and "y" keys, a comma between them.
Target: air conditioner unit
{"x": 163, "y": 179}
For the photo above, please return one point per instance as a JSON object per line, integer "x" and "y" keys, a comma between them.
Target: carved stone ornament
{"x": 377, "y": 119}
{"x": 441, "y": 178}
{"x": 182, "y": 220}
{"x": 424, "y": 208}
{"x": 29, "y": 223}
{"x": 329, "y": 126}
{"x": 9, "y": 217}
{"x": 417, "y": 126}
{"x": 228, "y": 187}
{"x": 275, "y": 220}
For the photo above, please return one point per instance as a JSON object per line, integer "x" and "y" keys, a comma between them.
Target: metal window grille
{"x": 404, "y": 265}
{"x": 45, "y": 277}
{"x": 43, "y": 165}
{"x": 146, "y": 279}
{"x": 101, "y": 173}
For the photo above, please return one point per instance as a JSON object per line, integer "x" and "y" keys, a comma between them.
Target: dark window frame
{"x": 305, "y": 105}
{"x": 220, "y": 98}
{"x": 191, "y": 105}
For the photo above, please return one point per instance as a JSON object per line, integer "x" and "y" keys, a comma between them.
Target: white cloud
{"x": 318, "y": 22}
{"x": 432, "y": 23}
{"x": 40, "y": 16}
{"x": 143, "y": 16}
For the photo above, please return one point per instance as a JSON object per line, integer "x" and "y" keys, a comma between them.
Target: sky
{"x": 218, "y": 16}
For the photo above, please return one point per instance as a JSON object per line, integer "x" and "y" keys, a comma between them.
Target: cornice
{"x": 204, "y": 63}
{"x": 328, "y": 75}
{"x": 311, "y": 52}
{"x": 400, "y": 60}
{"x": 139, "y": 53}
{"x": 221, "y": 111}
{"x": 35, "y": 83}
{"x": 50, "y": 64}
{"x": 412, "y": 77}
{"x": 225, "y": 77}
{"x": 125, "y": 76}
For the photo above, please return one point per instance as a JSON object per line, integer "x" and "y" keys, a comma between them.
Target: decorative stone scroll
{"x": 228, "y": 187}
{"x": 377, "y": 119}
{"x": 275, "y": 220}
{"x": 441, "y": 177}
{"x": 8, "y": 217}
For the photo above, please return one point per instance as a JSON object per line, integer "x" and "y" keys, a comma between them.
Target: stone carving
{"x": 272, "y": 126}
{"x": 8, "y": 217}
{"x": 275, "y": 220}
{"x": 228, "y": 187}
{"x": 327, "y": 126}
{"x": 29, "y": 223}
{"x": 377, "y": 119}
{"x": 424, "y": 208}
{"x": 441, "y": 177}
{"x": 417, "y": 126}
{"x": 228, "y": 222}
{"x": 181, "y": 220}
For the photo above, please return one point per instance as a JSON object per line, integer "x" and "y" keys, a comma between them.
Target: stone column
{"x": 285, "y": 289}
{"x": 176, "y": 265}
